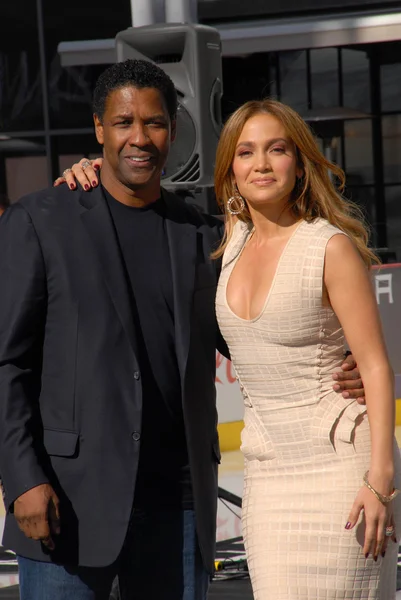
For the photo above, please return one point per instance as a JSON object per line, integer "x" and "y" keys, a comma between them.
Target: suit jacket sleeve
{"x": 220, "y": 342}
{"x": 222, "y": 346}
{"x": 23, "y": 300}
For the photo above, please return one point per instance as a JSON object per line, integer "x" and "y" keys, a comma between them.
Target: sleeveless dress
{"x": 306, "y": 448}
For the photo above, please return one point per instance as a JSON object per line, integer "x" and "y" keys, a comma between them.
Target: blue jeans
{"x": 160, "y": 560}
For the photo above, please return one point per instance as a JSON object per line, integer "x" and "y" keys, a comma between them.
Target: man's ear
{"x": 173, "y": 130}
{"x": 99, "y": 131}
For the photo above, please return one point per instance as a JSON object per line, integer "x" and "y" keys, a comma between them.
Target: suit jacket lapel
{"x": 182, "y": 244}
{"x": 99, "y": 225}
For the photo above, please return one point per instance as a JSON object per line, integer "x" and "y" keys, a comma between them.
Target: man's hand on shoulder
{"x": 348, "y": 382}
{"x": 37, "y": 514}
{"x": 85, "y": 172}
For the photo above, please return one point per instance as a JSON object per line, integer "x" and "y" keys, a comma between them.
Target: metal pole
{"x": 45, "y": 97}
{"x": 181, "y": 11}
{"x": 142, "y": 12}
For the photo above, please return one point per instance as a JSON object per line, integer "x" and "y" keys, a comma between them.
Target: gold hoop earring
{"x": 236, "y": 198}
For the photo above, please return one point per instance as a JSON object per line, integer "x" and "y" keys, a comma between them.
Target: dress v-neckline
{"x": 269, "y": 293}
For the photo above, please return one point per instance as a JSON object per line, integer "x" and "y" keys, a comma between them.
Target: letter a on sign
{"x": 384, "y": 287}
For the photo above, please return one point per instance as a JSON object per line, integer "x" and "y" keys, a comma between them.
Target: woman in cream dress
{"x": 294, "y": 281}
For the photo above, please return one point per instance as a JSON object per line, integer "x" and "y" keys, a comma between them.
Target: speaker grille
{"x": 190, "y": 173}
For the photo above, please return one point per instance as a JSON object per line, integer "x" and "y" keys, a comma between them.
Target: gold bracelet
{"x": 380, "y": 497}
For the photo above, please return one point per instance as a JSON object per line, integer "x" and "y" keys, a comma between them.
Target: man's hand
{"x": 348, "y": 381}
{"x": 37, "y": 514}
{"x": 85, "y": 172}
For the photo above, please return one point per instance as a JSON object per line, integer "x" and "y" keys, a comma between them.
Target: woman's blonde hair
{"x": 313, "y": 196}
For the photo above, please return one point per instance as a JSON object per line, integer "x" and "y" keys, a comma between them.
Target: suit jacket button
{"x": 137, "y": 375}
{"x": 136, "y": 436}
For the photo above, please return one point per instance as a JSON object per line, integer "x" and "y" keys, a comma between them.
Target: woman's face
{"x": 265, "y": 163}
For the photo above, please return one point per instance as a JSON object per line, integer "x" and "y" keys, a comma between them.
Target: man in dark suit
{"x": 108, "y": 443}
{"x": 107, "y": 364}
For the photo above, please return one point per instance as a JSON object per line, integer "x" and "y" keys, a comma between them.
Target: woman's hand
{"x": 377, "y": 517}
{"x": 348, "y": 381}
{"x": 84, "y": 171}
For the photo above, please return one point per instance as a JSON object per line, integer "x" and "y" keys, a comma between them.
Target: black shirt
{"x": 163, "y": 473}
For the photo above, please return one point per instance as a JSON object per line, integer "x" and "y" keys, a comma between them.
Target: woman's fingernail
{"x": 335, "y": 376}
{"x": 96, "y": 167}
{"x": 375, "y": 558}
{"x": 94, "y": 183}
{"x": 348, "y": 525}
{"x": 345, "y": 394}
{"x": 86, "y": 186}
{"x": 72, "y": 186}
{"x": 383, "y": 554}
{"x": 367, "y": 555}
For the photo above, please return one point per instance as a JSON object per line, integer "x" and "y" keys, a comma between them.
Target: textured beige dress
{"x": 306, "y": 448}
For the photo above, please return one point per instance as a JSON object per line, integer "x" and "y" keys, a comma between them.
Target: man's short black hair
{"x": 136, "y": 73}
{"x": 4, "y": 202}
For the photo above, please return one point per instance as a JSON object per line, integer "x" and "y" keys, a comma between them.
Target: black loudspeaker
{"x": 191, "y": 55}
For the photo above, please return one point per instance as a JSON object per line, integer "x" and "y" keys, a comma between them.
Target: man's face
{"x": 136, "y": 134}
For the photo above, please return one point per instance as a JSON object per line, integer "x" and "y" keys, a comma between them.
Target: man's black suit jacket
{"x": 70, "y": 384}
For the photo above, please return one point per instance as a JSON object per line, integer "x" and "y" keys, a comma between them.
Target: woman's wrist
{"x": 382, "y": 480}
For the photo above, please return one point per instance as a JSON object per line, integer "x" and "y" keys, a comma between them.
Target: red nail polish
{"x": 96, "y": 167}
{"x": 86, "y": 186}
{"x": 94, "y": 183}
{"x": 72, "y": 186}
{"x": 383, "y": 554}
{"x": 367, "y": 555}
{"x": 348, "y": 525}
